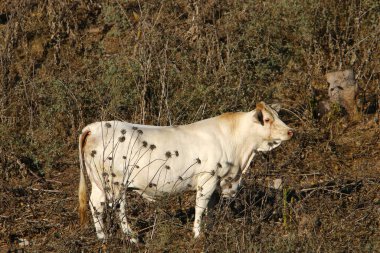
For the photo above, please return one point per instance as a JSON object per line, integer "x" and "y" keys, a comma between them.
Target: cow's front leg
{"x": 206, "y": 186}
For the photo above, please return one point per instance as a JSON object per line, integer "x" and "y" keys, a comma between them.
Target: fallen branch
{"x": 43, "y": 190}
{"x": 331, "y": 186}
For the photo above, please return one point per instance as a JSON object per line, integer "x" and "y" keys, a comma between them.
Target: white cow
{"x": 155, "y": 161}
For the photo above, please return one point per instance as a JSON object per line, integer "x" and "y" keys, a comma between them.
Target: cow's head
{"x": 269, "y": 127}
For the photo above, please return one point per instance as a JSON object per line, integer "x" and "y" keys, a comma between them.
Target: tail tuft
{"x": 82, "y": 193}
{"x": 82, "y": 202}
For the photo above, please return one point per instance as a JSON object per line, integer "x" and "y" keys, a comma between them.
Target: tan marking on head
{"x": 270, "y": 111}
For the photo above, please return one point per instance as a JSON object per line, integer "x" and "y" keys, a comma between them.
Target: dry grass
{"x": 68, "y": 63}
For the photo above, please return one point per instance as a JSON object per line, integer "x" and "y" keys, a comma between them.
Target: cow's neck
{"x": 246, "y": 149}
{"x": 239, "y": 137}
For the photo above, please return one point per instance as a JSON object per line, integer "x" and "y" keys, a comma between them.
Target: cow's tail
{"x": 82, "y": 183}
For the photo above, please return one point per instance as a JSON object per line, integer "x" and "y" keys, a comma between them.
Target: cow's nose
{"x": 290, "y": 133}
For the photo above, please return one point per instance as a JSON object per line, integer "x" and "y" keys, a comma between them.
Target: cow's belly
{"x": 160, "y": 177}
{"x": 162, "y": 188}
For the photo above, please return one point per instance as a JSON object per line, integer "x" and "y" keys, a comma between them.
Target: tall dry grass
{"x": 67, "y": 63}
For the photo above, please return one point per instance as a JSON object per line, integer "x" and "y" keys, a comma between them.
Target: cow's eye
{"x": 267, "y": 120}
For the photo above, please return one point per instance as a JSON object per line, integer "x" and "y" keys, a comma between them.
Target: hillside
{"x": 65, "y": 64}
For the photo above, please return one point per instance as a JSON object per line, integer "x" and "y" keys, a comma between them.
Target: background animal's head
{"x": 270, "y": 127}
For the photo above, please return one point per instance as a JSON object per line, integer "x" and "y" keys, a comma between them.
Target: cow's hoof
{"x": 196, "y": 232}
{"x": 134, "y": 240}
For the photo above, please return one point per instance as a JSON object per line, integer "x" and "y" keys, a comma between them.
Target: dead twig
{"x": 43, "y": 190}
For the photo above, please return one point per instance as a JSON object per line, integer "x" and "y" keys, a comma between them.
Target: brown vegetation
{"x": 65, "y": 64}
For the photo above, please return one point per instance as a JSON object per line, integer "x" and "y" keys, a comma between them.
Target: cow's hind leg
{"x": 97, "y": 202}
{"x": 123, "y": 221}
{"x": 206, "y": 187}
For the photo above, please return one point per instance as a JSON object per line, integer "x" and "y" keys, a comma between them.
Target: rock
{"x": 23, "y": 242}
{"x": 343, "y": 90}
{"x": 277, "y": 184}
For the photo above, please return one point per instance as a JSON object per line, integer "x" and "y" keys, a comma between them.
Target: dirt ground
{"x": 65, "y": 64}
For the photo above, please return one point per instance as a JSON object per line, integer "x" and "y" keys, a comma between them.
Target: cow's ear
{"x": 260, "y": 117}
{"x": 259, "y": 112}
{"x": 260, "y": 106}
{"x": 276, "y": 107}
